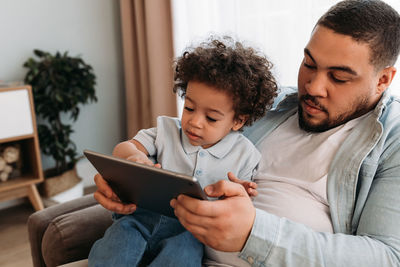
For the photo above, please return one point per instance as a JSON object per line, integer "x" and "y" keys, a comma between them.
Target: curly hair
{"x": 242, "y": 72}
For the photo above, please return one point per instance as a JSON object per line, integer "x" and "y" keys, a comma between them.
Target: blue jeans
{"x": 145, "y": 238}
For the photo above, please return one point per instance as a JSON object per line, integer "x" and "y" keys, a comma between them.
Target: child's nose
{"x": 196, "y": 121}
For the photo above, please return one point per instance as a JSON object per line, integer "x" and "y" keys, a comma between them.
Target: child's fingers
{"x": 252, "y": 192}
{"x": 233, "y": 178}
{"x": 248, "y": 184}
{"x": 157, "y": 165}
{"x": 253, "y": 185}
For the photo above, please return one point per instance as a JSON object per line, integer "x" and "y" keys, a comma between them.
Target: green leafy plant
{"x": 59, "y": 84}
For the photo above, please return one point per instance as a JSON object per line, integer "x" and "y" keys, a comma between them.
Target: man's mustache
{"x": 314, "y": 101}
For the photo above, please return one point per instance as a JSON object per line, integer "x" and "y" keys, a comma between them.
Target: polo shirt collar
{"x": 219, "y": 150}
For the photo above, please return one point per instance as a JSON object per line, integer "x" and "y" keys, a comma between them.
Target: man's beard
{"x": 359, "y": 108}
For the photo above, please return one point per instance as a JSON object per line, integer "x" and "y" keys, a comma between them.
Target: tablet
{"x": 146, "y": 186}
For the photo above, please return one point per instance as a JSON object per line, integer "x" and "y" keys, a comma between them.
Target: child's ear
{"x": 239, "y": 122}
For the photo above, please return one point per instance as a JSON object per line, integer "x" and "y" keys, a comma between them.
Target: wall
{"x": 280, "y": 29}
{"x": 89, "y": 28}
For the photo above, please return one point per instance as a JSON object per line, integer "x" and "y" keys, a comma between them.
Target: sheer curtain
{"x": 280, "y": 29}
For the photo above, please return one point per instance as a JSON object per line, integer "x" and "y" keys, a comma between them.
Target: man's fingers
{"x": 206, "y": 208}
{"x": 190, "y": 221}
{"x": 103, "y": 200}
{"x": 108, "y": 199}
{"x": 114, "y": 206}
{"x": 194, "y": 206}
{"x": 115, "y": 198}
{"x": 103, "y": 186}
{"x": 200, "y": 226}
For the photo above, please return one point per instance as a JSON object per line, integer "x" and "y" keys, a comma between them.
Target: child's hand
{"x": 139, "y": 157}
{"x": 134, "y": 151}
{"x": 249, "y": 186}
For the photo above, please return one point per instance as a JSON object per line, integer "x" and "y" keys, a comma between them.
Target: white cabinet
{"x": 18, "y": 126}
{"x": 15, "y": 113}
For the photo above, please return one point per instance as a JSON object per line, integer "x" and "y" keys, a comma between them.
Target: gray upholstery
{"x": 65, "y": 232}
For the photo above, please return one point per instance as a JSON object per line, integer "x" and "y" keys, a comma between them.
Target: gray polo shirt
{"x": 172, "y": 149}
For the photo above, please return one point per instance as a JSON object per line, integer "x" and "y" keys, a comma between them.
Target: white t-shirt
{"x": 292, "y": 179}
{"x": 293, "y": 172}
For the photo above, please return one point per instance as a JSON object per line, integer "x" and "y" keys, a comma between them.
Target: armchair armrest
{"x": 65, "y": 232}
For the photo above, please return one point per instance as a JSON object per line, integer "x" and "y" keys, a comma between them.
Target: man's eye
{"x": 309, "y": 66}
{"x": 337, "y": 80}
{"x": 189, "y": 109}
{"x": 211, "y": 119}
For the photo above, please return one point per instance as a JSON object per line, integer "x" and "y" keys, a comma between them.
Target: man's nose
{"x": 317, "y": 84}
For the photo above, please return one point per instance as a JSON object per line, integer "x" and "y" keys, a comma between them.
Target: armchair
{"x": 65, "y": 232}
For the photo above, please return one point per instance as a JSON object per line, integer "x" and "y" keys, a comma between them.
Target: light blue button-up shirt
{"x": 363, "y": 192}
{"x": 173, "y": 151}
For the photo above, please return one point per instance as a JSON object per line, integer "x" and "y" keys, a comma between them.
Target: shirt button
{"x": 250, "y": 259}
{"x": 202, "y": 154}
{"x": 199, "y": 172}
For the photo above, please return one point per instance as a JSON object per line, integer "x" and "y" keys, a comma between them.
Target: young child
{"x": 225, "y": 86}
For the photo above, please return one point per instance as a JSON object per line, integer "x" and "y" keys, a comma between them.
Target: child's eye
{"x": 189, "y": 109}
{"x": 211, "y": 119}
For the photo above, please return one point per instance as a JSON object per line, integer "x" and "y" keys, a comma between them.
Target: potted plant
{"x": 60, "y": 83}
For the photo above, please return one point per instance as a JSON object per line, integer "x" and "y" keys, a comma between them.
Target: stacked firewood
{"x": 9, "y": 161}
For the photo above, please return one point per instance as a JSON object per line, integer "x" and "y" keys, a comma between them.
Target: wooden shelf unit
{"x": 31, "y": 172}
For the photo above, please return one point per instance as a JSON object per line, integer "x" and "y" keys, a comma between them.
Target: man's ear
{"x": 239, "y": 122}
{"x": 385, "y": 79}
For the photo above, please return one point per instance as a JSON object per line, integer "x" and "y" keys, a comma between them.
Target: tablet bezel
{"x": 152, "y": 188}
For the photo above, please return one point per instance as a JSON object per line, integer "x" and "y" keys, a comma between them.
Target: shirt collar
{"x": 219, "y": 150}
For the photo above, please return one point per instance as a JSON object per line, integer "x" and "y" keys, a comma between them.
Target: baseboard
{"x": 12, "y": 203}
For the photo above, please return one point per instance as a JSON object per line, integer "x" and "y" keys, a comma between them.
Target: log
{"x": 11, "y": 154}
{"x": 2, "y": 163}
{"x": 8, "y": 169}
{"x": 3, "y": 176}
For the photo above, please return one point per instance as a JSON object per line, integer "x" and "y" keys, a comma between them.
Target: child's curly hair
{"x": 242, "y": 72}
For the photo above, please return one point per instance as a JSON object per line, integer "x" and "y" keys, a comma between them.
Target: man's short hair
{"x": 369, "y": 21}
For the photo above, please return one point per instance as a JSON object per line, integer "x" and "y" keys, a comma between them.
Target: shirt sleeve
{"x": 276, "y": 241}
{"x": 147, "y": 137}
{"x": 155, "y": 139}
{"x": 250, "y": 165}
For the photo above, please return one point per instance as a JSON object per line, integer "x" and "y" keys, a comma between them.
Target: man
{"x": 329, "y": 178}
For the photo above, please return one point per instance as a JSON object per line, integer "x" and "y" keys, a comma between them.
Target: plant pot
{"x": 57, "y": 184}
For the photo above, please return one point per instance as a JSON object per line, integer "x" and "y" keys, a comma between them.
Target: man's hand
{"x": 223, "y": 224}
{"x": 108, "y": 199}
{"x": 131, "y": 150}
{"x": 249, "y": 186}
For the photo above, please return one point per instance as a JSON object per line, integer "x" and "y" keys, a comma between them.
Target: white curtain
{"x": 280, "y": 29}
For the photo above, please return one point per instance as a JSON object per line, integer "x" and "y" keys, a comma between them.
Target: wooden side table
{"x": 18, "y": 126}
